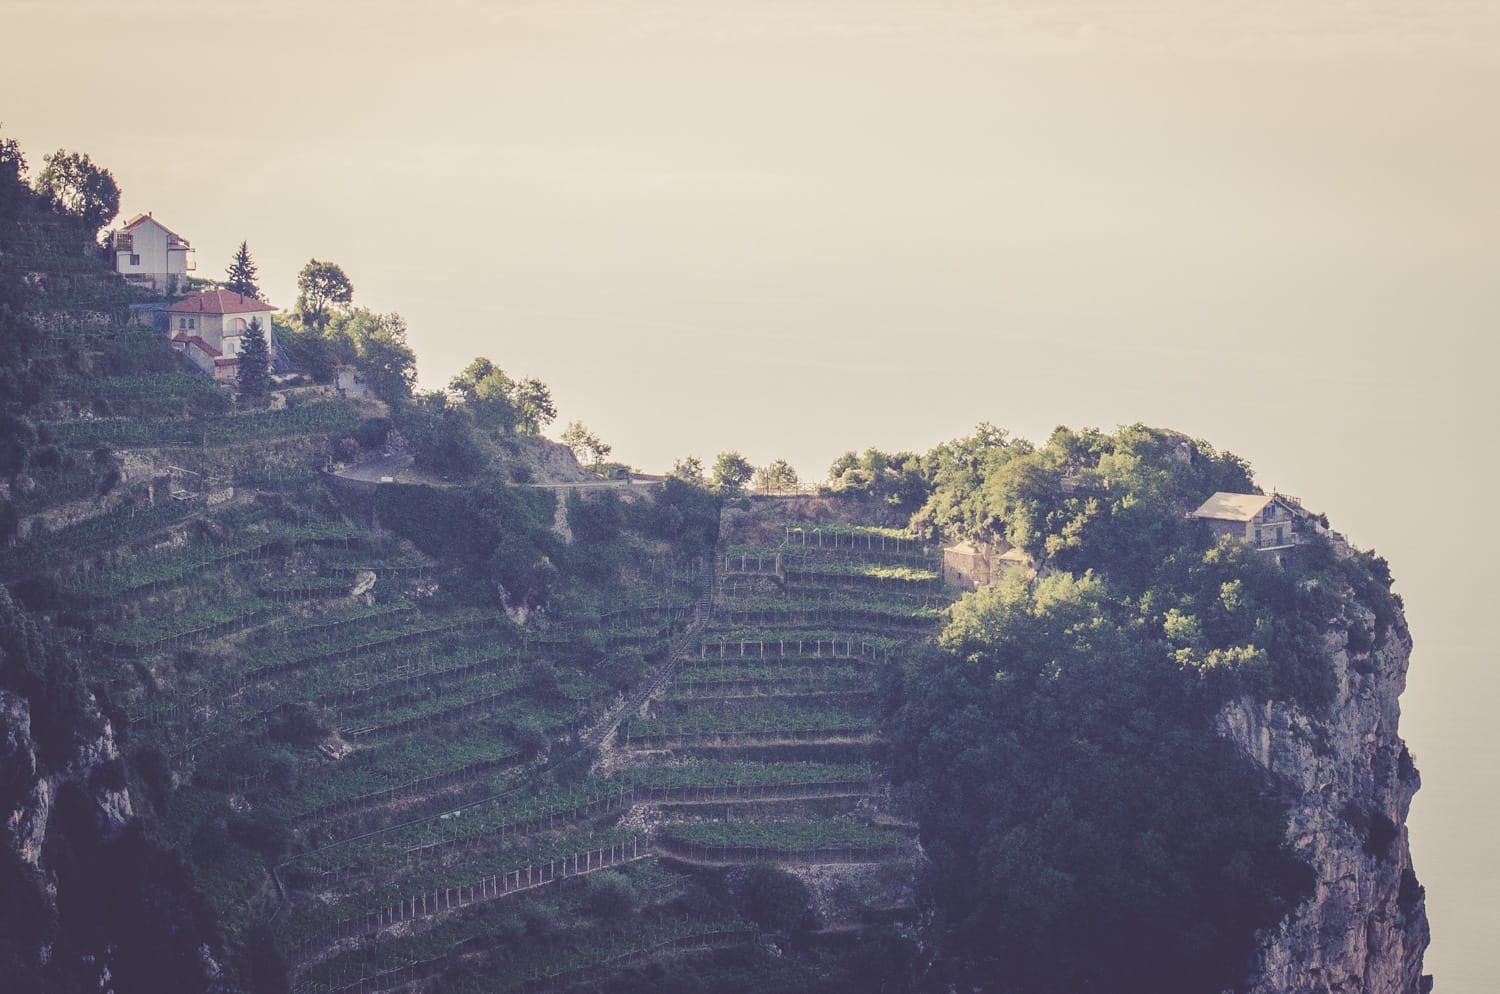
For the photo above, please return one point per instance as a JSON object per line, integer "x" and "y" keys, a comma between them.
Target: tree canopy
{"x": 78, "y": 188}
{"x": 322, "y": 286}
{"x": 587, "y": 446}
{"x": 376, "y": 343}
{"x": 254, "y": 376}
{"x": 775, "y": 477}
{"x": 1088, "y": 829}
{"x": 731, "y": 472}
{"x": 240, "y": 277}
{"x": 13, "y": 189}
{"x": 497, "y": 401}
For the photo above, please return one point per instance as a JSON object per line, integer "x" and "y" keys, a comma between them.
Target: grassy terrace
{"x": 484, "y": 925}
{"x": 513, "y": 814}
{"x": 141, "y": 433}
{"x": 791, "y": 641}
{"x": 377, "y": 715}
{"x": 701, "y": 681}
{"x": 864, "y": 571}
{"x": 881, "y": 615}
{"x": 303, "y": 586}
{"x": 417, "y": 876}
{"x": 528, "y": 962}
{"x": 868, "y": 538}
{"x": 161, "y": 569}
{"x": 560, "y": 961}
{"x": 129, "y": 523}
{"x": 476, "y": 698}
{"x": 713, "y": 774}
{"x": 328, "y": 673}
{"x": 769, "y": 718}
{"x": 391, "y": 766}
{"x": 159, "y": 633}
{"x": 519, "y": 813}
{"x": 791, "y": 836}
{"x": 311, "y": 642}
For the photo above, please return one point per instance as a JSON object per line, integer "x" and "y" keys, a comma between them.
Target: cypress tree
{"x": 240, "y": 277}
{"x": 254, "y": 379}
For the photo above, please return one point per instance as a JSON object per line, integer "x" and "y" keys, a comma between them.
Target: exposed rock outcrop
{"x": 1349, "y": 780}
{"x": 26, "y": 821}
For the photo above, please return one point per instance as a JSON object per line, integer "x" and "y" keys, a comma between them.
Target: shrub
{"x": 772, "y": 898}
{"x": 299, "y": 725}
{"x": 611, "y": 895}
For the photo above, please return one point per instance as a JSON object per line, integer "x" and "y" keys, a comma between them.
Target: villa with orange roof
{"x": 207, "y": 328}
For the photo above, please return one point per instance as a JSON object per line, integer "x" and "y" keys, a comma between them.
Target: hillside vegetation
{"x": 270, "y": 728}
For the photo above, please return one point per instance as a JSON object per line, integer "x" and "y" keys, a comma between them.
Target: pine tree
{"x": 254, "y": 378}
{"x": 240, "y": 277}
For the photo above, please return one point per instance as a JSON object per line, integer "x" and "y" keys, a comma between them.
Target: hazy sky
{"x": 794, "y": 228}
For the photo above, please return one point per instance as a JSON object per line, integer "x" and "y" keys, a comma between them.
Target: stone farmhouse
{"x": 150, "y": 254}
{"x": 1268, "y": 522}
{"x": 207, "y": 327}
{"x": 969, "y": 565}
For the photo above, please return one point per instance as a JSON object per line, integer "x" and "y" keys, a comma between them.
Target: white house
{"x": 150, "y": 253}
{"x": 207, "y": 326}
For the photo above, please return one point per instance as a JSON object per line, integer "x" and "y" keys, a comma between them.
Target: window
{"x": 1257, "y": 536}
{"x": 1280, "y": 536}
{"x": 182, "y": 324}
{"x": 1270, "y": 511}
{"x": 135, "y": 260}
{"x": 192, "y": 323}
{"x": 231, "y": 346}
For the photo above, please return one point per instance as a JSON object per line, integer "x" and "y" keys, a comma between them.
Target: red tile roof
{"x": 195, "y": 340}
{"x": 217, "y": 302}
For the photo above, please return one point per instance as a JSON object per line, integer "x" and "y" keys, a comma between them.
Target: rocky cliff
{"x": 36, "y": 787}
{"x": 1349, "y": 781}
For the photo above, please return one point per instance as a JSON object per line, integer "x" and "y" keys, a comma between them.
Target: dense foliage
{"x": 1088, "y": 830}
{"x": 501, "y": 403}
{"x": 322, "y": 287}
{"x": 77, "y": 187}
{"x": 253, "y": 374}
{"x": 498, "y": 536}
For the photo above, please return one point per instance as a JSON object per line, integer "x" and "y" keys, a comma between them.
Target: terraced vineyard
{"x": 397, "y": 783}
{"x": 765, "y": 746}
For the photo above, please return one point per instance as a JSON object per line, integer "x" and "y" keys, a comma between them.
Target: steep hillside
{"x": 334, "y": 695}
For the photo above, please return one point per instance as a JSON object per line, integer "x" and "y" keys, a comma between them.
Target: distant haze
{"x": 793, "y": 228}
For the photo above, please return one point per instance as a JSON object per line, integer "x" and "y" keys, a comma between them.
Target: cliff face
{"x": 26, "y": 822}
{"x": 1349, "y": 781}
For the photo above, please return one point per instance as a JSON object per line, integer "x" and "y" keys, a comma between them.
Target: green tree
{"x": 771, "y": 897}
{"x": 322, "y": 286}
{"x": 585, "y": 444}
{"x": 688, "y": 469}
{"x": 255, "y": 358}
{"x": 778, "y": 477}
{"x": 389, "y": 364}
{"x": 441, "y": 438}
{"x": 731, "y": 472}
{"x": 494, "y": 399}
{"x": 240, "y": 277}
{"x": 534, "y": 403}
{"x": 80, "y": 189}
{"x": 13, "y": 189}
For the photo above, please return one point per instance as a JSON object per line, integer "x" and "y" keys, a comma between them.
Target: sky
{"x": 796, "y": 228}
